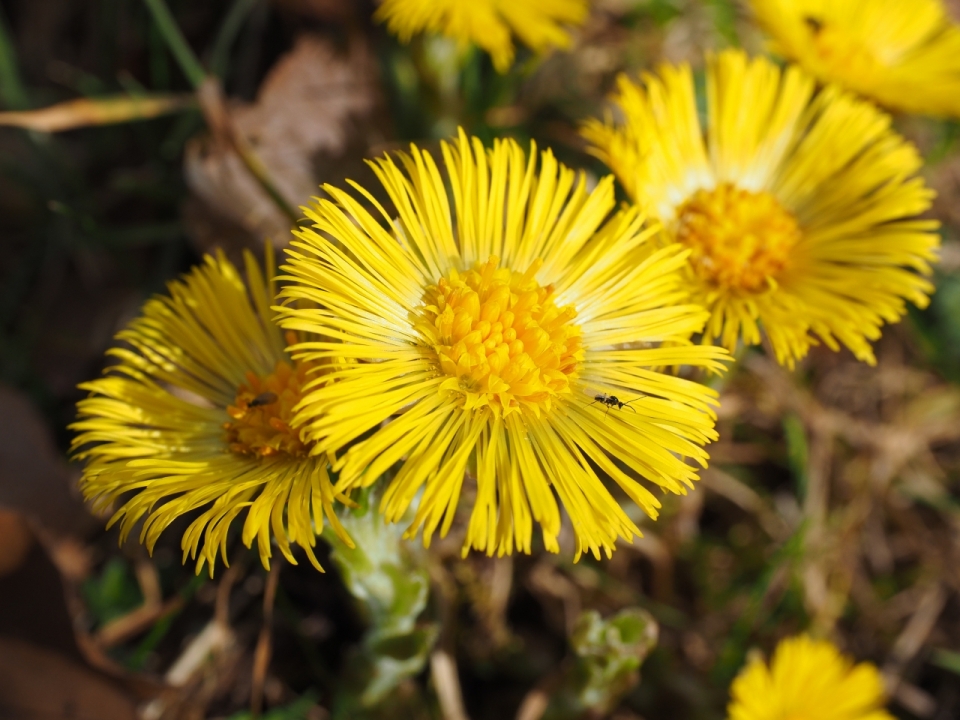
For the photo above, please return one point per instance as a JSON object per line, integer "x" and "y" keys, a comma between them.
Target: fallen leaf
{"x": 309, "y": 104}
{"x": 39, "y": 683}
{"x": 34, "y": 479}
{"x": 15, "y": 541}
{"x": 85, "y": 112}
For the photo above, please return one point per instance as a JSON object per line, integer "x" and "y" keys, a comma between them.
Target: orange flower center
{"x": 501, "y": 338}
{"x": 739, "y": 239}
{"x": 262, "y": 412}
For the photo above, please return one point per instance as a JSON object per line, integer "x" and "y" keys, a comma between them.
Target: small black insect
{"x": 613, "y": 401}
{"x": 266, "y": 398}
{"x": 814, "y": 24}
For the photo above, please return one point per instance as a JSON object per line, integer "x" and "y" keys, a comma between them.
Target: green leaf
{"x": 947, "y": 659}
{"x": 297, "y": 710}
{"x": 939, "y": 325}
{"x": 795, "y": 435}
{"x": 114, "y": 593}
{"x": 608, "y": 658}
{"x": 12, "y": 92}
{"x": 389, "y": 580}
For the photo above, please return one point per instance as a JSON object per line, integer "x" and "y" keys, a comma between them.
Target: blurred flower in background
{"x": 808, "y": 680}
{"x": 799, "y": 208}
{"x": 514, "y": 336}
{"x": 196, "y": 412}
{"x": 903, "y": 55}
{"x": 489, "y": 24}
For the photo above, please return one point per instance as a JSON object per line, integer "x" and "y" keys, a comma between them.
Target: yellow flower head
{"x": 489, "y": 24}
{"x": 496, "y": 329}
{"x": 904, "y": 54}
{"x": 807, "y": 680}
{"x": 196, "y": 413}
{"x": 799, "y": 207}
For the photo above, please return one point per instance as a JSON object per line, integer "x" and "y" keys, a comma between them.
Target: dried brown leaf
{"x": 34, "y": 479}
{"x": 309, "y": 104}
{"x": 15, "y": 541}
{"x": 85, "y": 112}
{"x": 38, "y": 683}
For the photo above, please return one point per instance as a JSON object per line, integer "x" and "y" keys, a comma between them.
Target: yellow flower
{"x": 807, "y": 680}
{"x": 800, "y": 207}
{"x": 485, "y": 321}
{"x": 903, "y": 54}
{"x": 489, "y": 24}
{"x": 196, "y": 413}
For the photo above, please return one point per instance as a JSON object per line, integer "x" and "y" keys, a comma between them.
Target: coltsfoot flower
{"x": 807, "y": 680}
{"x": 489, "y": 24}
{"x": 495, "y": 325}
{"x": 903, "y": 55}
{"x": 799, "y": 207}
{"x": 196, "y": 412}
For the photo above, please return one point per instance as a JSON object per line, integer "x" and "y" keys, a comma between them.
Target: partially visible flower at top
{"x": 505, "y": 330}
{"x": 490, "y": 24}
{"x": 807, "y": 680}
{"x": 196, "y": 413}
{"x": 800, "y": 207}
{"x": 904, "y": 54}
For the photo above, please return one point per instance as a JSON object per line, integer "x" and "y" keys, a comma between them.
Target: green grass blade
{"x": 179, "y": 48}
{"x": 232, "y": 24}
{"x": 12, "y": 91}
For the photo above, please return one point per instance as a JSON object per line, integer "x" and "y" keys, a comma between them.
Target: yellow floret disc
{"x": 500, "y": 337}
{"x": 262, "y": 411}
{"x": 740, "y": 240}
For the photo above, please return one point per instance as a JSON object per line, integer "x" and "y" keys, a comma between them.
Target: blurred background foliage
{"x": 832, "y": 502}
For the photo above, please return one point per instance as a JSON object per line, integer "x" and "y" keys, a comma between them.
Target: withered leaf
{"x": 34, "y": 479}
{"x": 309, "y": 104}
{"x": 15, "y": 541}
{"x": 38, "y": 683}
